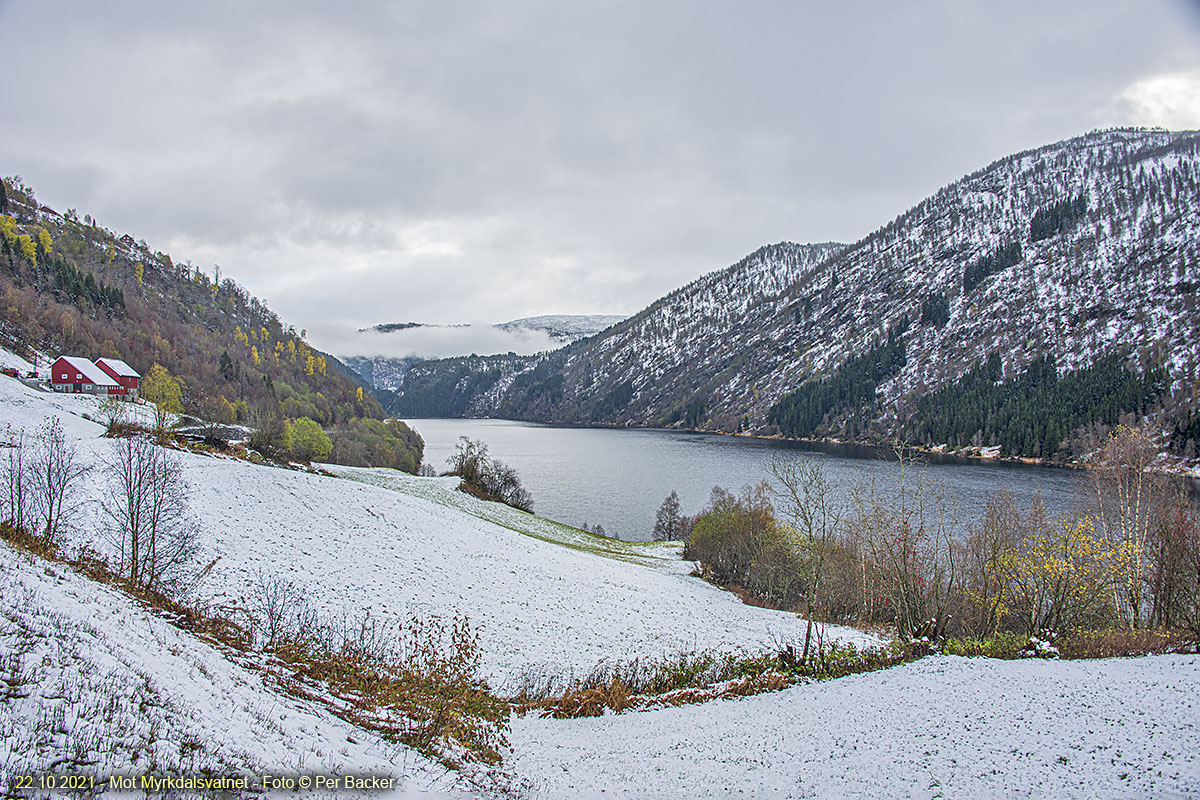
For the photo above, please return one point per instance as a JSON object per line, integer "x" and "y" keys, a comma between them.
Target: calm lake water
{"x": 618, "y": 478}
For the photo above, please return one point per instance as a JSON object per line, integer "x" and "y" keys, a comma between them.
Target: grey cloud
{"x": 446, "y": 161}
{"x": 429, "y": 341}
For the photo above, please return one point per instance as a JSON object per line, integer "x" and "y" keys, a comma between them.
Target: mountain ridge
{"x": 719, "y": 353}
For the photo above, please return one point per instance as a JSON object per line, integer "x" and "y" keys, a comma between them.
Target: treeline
{"x": 542, "y": 385}
{"x": 443, "y": 388}
{"x": 935, "y": 310}
{"x": 67, "y": 283}
{"x": 1001, "y": 259}
{"x": 1186, "y": 439}
{"x": 612, "y": 401}
{"x": 1047, "y": 222}
{"x": 71, "y": 286}
{"x": 888, "y": 552}
{"x": 802, "y": 412}
{"x": 1034, "y": 413}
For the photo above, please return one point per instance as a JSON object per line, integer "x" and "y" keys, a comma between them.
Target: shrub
{"x": 309, "y": 442}
{"x": 1111, "y": 643}
{"x": 419, "y": 685}
{"x": 272, "y": 435}
{"x": 694, "y": 677}
{"x": 487, "y": 478}
{"x": 1000, "y": 645}
{"x": 739, "y": 542}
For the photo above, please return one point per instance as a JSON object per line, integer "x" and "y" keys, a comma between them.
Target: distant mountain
{"x": 381, "y": 372}
{"x": 564, "y": 328}
{"x": 389, "y": 372}
{"x": 1080, "y": 255}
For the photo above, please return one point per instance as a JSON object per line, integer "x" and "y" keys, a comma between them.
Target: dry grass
{"x": 30, "y": 543}
{"x": 689, "y": 677}
{"x": 1121, "y": 643}
{"x": 418, "y": 684}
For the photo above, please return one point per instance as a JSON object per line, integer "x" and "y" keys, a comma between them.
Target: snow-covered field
{"x": 939, "y": 727}
{"x": 91, "y": 672}
{"x": 393, "y": 544}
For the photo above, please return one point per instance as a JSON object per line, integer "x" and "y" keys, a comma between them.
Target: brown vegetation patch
{"x": 1122, "y": 642}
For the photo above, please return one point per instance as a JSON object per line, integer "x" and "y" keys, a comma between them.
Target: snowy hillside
{"x": 1120, "y": 271}
{"x": 381, "y": 372}
{"x": 96, "y": 683}
{"x": 393, "y": 544}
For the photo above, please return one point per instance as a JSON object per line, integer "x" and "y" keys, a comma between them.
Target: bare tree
{"x": 1174, "y": 570}
{"x": 52, "y": 471}
{"x": 806, "y": 501}
{"x": 147, "y": 506}
{"x": 469, "y": 459}
{"x": 905, "y": 537}
{"x": 15, "y": 477}
{"x": 668, "y": 523}
{"x": 1132, "y": 500}
{"x": 991, "y": 552}
{"x": 279, "y": 608}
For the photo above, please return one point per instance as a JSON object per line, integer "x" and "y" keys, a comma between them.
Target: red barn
{"x": 123, "y": 374}
{"x": 76, "y": 375}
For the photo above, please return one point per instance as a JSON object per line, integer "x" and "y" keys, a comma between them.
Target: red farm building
{"x": 108, "y": 376}
{"x": 123, "y": 374}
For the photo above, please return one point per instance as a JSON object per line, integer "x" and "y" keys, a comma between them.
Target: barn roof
{"x": 120, "y": 367}
{"x": 88, "y": 370}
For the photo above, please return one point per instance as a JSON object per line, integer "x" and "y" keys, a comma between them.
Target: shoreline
{"x": 1177, "y": 467}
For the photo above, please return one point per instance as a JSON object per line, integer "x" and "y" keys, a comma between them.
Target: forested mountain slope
{"x": 1067, "y": 255}
{"x": 69, "y": 285}
{"x": 656, "y": 345}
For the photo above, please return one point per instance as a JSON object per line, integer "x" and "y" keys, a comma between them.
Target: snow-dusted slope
{"x": 564, "y": 328}
{"x": 95, "y": 685}
{"x": 939, "y": 727}
{"x": 357, "y": 547}
{"x": 415, "y": 545}
{"x": 1125, "y": 274}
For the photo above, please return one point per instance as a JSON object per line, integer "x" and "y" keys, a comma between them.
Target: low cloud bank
{"x": 431, "y": 341}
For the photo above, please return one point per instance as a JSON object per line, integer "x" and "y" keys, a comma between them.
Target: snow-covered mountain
{"x": 564, "y": 328}
{"x": 1072, "y": 251}
{"x": 381, "y": 372}
{"x": 526, "y": 335}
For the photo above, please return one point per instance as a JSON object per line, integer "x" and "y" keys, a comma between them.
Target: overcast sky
{"x": 446, "y": 162}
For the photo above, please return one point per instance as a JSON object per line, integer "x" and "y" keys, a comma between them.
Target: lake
{"x": 617, "y": 478}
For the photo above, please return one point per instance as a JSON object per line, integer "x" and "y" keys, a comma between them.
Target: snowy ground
{"x": 395, "y": 544}
{"x": 94, "y": 685}
{"x": 91, "y": 674}
{"x": 536, "y": 603}
{"x": 939, "y": 727}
